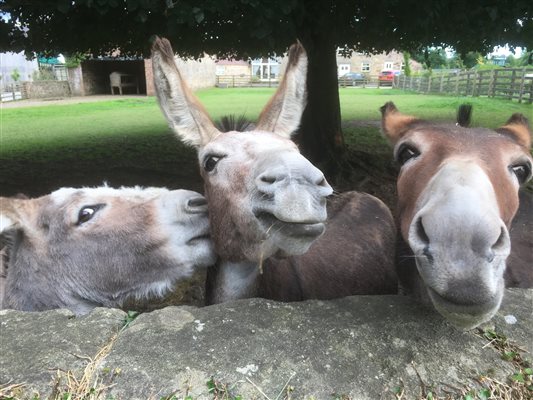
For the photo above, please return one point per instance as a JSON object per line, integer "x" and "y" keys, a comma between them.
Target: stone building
{"x": 373, "y": 64}
{"x": 92, "y": 76}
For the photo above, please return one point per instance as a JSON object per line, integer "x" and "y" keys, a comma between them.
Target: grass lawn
{"x": 42, "y": 148}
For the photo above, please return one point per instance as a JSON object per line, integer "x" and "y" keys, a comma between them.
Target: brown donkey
{"x": 457, "y": 196}
{"x": 268, "y": 202}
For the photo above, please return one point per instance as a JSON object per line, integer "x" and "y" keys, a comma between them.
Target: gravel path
{"x": 65, "y": 100}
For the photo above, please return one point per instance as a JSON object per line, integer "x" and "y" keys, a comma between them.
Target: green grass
{"x": 83, "y": 124}
{"x": 44, "y": 147}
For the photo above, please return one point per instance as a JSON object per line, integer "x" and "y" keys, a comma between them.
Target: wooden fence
{"x": 508, "y": 83}
{"x": 369, "y": 81}
{"x": 224, "y": 81}
{"x": 13, "y": 91}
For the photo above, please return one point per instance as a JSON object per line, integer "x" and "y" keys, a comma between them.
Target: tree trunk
{"x": 320, "y": 138}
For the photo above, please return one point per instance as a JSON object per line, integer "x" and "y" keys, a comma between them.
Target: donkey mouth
{"x": 273, "y": 225}
{"x": 196, "y": 239}
{"x": 464, "y": 315}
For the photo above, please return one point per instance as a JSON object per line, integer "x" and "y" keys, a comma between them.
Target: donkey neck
{"x": 230, "y": 280}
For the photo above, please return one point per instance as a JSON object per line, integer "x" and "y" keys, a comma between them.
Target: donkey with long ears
{"x": 90, "y": 247}
{"x": 457, "y": 196}
{"x": 267, "y": 201}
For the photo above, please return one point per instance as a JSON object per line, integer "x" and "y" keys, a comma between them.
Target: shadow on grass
{"x": 119, "y": 161}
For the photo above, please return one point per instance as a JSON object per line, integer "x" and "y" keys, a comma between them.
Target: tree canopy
{"x": 243, "y": 28}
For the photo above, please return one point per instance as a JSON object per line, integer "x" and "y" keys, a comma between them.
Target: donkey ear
{"x": 393, "y": 123}
{"x": 283, "y": 112}
{"x": 184, "y": 113}
{"x": 517, "y": 128}
{"x": 13, "y": 212}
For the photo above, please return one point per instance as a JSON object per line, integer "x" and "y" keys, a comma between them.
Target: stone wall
{"x": 46, "y": 89}
{"x": 75, "y": 79}
{"x": 149, "y": 75}
{"x": 198, "y": 73}
{"x": 355, "y": 348}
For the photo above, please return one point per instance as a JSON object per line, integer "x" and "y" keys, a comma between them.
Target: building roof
{"x": 232, "y": 62}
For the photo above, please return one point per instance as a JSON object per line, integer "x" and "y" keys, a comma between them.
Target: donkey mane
{"x": 231, "y": 122}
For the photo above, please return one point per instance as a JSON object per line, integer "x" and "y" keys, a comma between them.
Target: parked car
{"x": 352, "y": 79}
{"x": 387, "y": 77}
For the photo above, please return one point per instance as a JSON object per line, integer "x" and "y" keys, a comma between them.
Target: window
{"x": 388, "y": 65}
{"x": 365, "y": 67}
{"x": 402, "y": 66}
{"x": 343, "y": 69}
{"x": 220, "y": 70}
{"x": 265, "y": 68}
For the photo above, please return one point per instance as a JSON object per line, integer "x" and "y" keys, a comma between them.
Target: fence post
{"x": 457, "y": 83}
{"x": 511, "y": 86}
{"x": 492, "y": 83}
{"x": 428, "y": 89}
{"x": 531, "y": 92}
{"x": 474, "y": 84}
{"x": 522, "y": 82}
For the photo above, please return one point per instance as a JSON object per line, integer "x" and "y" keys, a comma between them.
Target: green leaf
{"x": 484, "y": 394}
{"x": 211, "y": 385}
{"x": 528, "y": 371}
{"x": 199, "y": 16}
{"x": 130, "y": 316}
{"x": 518, "y": 377}
{"x": 509, "y": 355}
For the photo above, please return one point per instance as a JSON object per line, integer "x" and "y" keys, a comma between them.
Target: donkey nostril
{"x": 197, "y": 204}
{"x": 502, "y": 240}
{"x": 421, "y": 232}
{"x": 268, "y": 179}
{"x": 322, "y": 182}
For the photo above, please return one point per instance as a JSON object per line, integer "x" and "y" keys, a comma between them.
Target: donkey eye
{"x": 522, "y": 172}
{"x": 405, "y": 153}
{"x": 211, "y": 162}
{"x": 87, "y": 213}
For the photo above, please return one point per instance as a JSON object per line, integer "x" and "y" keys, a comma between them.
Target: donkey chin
{"x": 464, "y": 316}
{"x": 465, "y": 304}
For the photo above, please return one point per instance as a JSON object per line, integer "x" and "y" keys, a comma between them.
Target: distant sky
{"x": 505, "y": 51}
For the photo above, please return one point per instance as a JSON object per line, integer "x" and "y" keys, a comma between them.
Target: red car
{"x": 386, "y": 77}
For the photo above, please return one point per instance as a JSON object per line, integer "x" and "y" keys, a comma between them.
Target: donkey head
{"x": 457, "y": 195}
{"x": 83, "y": 248}
{"x": 264, "y": 196}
